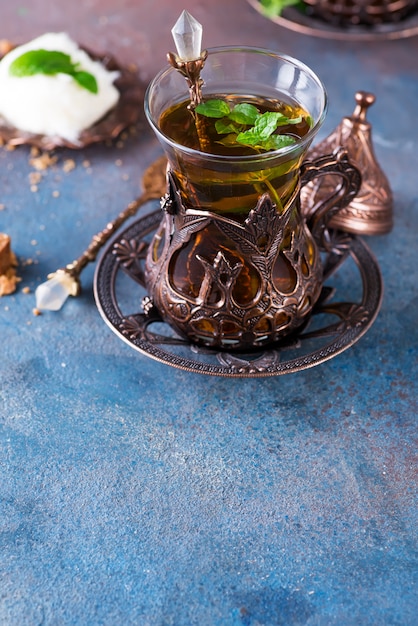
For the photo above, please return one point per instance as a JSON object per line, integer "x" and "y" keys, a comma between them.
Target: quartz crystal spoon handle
{"x": 64, "y": 282}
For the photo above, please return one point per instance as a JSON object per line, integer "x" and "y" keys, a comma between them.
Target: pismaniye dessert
{"x": 51, "y": 87}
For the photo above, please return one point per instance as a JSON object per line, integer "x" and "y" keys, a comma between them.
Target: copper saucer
{"x": 349, "y": 303}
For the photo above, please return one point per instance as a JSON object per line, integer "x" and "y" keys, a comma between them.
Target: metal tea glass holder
{"x": 348, "y": 305}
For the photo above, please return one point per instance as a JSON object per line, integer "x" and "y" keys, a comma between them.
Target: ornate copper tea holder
{"x": 239, "y": 285}
{"x": 348, "y": 305}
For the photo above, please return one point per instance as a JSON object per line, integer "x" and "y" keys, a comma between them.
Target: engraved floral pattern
{"x": 131, "y": 255}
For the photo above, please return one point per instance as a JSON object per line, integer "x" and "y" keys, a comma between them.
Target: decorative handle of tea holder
{"x": 335, "y": 165}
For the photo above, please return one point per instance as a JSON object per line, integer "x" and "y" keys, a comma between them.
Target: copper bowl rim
{"x": 294, "y": 20}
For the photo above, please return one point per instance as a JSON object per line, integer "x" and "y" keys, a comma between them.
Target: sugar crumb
{"x": 44, "y": 161}
{"x": 69, "y": 165}
{"x": 35, "y": 178}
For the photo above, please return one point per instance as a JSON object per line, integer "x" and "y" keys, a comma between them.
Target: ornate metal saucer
{"x": 293, "y": 19}
{"x": 349, "y": 303}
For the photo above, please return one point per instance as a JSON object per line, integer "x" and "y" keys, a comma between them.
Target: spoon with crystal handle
{"x": 52, "y": 294}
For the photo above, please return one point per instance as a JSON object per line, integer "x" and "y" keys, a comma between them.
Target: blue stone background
{"x": 134, "y": 493}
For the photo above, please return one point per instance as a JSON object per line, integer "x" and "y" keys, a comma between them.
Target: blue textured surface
{"x": 136, "y": 494}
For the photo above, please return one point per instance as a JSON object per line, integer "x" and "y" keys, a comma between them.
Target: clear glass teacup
{"x": 235, "y": 264}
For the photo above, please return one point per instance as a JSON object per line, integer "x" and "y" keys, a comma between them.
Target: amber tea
{"x": 232, "y": 126}
{"x": 182, "y": 124}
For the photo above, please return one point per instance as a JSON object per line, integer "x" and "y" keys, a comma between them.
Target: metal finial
{"x": 187, "y": 35}
{"x": 364, "y": 100}
{"x": 189, "y": 60}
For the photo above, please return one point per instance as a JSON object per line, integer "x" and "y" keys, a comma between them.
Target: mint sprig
{"x": 272, "y": 8}
{"x": 51, "y": 62}
{"x": 245, "y": 125}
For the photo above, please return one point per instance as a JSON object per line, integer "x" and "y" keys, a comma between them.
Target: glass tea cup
{"x": 234, "y": 263}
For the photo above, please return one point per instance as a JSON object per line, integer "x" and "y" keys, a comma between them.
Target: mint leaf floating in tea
{"x": 246, "y": 125}
{"x": 50, "y": 63}
{"x": 244, "y": 113}
{"x": 261, "y": 134}
{"x": 213, "y": 108}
